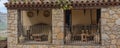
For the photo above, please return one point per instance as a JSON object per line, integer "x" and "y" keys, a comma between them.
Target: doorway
{"x": 67, "y": 17}
{"x": 68, "y": 21}
{"x": 67, "y": 24}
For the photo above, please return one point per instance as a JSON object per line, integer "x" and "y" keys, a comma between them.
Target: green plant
{"x": 65, "y": 5}
{"x": 3, "y": 38}
{"x": 14, "y": 0}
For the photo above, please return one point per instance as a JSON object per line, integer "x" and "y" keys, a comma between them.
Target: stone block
{"x": 54, "y": 36}
{"x": 113, "y": 46}
{"x": 106, "y": 15}
{"x": 110, "y": 21}
{"x": 58, "y": 42}
{"x": 117, "y": 22}
{"x": 113, "y": 42}
{"x": 118, "y": 42}
{"x": 43, "y": 46}
{"x": 112, "y": 36}
{"x": 116, "y": 28}
{"x": 60, "y": 36}
{"x": 110, "y": 24}
{"x": 115, "y": 16}
{"x": 111, "y": 12}
{"x": 118, "y": 46}
{"x": 102, "y": 46}
{"x": 56, "y": 46}
{"x": 70, "y": 46}
{"x": 106, "y": 28}
{"x": 79, "y": 47}
{"x": 34, "y": 46}
{"x": 57, "y": 29}
{"x": 103, "y": 21}
{"x": 105, "y": 36}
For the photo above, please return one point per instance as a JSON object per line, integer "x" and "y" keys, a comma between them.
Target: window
{"x": 82, "y": 27}
{"x": 34, "y": 27}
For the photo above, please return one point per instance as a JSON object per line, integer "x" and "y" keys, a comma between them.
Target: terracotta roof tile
{"x": 75, "y": 4}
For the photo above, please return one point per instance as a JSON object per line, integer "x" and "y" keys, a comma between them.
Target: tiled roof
{"x": 74, "y": 4}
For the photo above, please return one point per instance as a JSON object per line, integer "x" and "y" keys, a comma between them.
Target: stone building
{"x": 63, "y": 24}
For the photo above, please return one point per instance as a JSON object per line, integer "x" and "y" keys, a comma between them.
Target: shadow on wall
{"x": 36, "y": 17}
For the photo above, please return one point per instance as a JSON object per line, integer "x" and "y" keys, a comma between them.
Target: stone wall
{"x": 110, "y": 30}
{"x": 110, "y": 21}
{"x": 12, "y": 28}
{"x": 58, "y": 23}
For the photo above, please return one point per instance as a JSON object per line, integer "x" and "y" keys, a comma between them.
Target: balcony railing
{"x": 82, "y": 35}
{"x": 39, "y": 33}
{"x": 74, "y": 35}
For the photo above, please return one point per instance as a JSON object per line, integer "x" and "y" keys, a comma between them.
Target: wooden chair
{"x": 84, "y": 36}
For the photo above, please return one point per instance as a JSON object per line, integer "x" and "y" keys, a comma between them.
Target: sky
{"x": 2, "y": 7}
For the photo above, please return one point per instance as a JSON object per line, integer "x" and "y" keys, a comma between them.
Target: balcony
{"x": 82, "y": 35}
{"x": 40, "y": 33}
{"x": 74, "y": 35}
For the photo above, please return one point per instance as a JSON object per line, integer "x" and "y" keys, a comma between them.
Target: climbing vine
{"x": 14, "y": 0}
{"x": 65, "y": 5}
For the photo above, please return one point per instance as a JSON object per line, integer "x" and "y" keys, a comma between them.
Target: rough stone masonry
{"x": 110, "y": 30}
